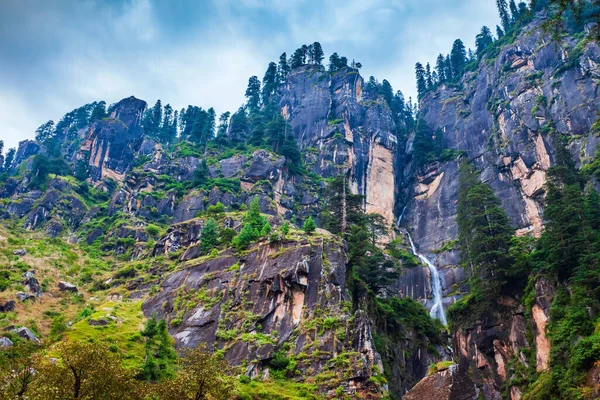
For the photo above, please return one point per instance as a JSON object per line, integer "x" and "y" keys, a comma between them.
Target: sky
{"x": 60, "y": 54}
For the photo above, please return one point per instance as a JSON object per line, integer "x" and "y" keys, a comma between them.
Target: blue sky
{"x": 60, "y": 54}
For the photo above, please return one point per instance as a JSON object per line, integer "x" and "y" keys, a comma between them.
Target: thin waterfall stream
{"x": 437, "y": 311}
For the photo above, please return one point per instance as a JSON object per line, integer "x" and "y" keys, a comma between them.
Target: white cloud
{"x": 89, "y": 50}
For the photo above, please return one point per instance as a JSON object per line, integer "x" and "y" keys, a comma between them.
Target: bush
{"x": 309, "y": 226}
{"x": 218, "y": 208}
{"x": 153, "y": 230}
{"x": 279, "y": 361}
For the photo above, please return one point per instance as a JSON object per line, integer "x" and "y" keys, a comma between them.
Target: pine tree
{"x": 45, "y": 132}
{"x": 269, "y": 82}
{"x": 297, "y": 59}
{"x": 239, "y": 126}
{"x": 283, "y": 68}
{"x": 448, "y": 69}
{"x": 285, "y": 229}
{"x": 499, "y": 32}
{"x": 266, "y": 229}
{"x": 484, "y": 233}
{"x": 428, "y": 78}
{"x": 253, "y": 94}
{"x": 483, "y": 40}
{"x": 386, "y": 91}
{"x": 440, "y": 68}
{"x": 514, "y": 12}
{"x": 458, "y": 58}
{"x": 343, "y": 208}
{"x": 336, "y": 62}
{"x": 8, "y": 160}
{"x": 309, "y": 226}
{"x": 223, "y": 124}
{"x": 98, "y": 112}
{"x": 168, "y": 130}
{"x": 317, "y": 53}
{"x": 503, "y": 12}
{"x": 210, "y": 236}
{"x": 421, "y": 80}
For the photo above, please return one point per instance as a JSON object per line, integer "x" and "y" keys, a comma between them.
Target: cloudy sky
{"x": 59, "y": 54}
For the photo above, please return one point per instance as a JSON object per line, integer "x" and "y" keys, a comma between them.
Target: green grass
{"x": 277, "y": 389}
{"x": 123, "y": 333}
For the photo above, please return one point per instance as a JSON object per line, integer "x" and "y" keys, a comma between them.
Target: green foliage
{"x": 428, "y": 146}
{"x": 216, "y": 209}
{"x": 285, "y": 228}
{"x": 309, "y": 226}
{"x": 279, "y": 361}
{"x": 210, "y": 236}
{"x": 246, "y": 237}
{"x": 160, "y": 353}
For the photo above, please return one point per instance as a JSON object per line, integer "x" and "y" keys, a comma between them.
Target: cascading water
{"x": 437, "y": 311}
{"x": 400, "y": 218}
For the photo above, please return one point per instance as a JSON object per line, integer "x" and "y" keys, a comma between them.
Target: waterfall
{"x": 437, "y": 311}
{"x": 400, "y": 217}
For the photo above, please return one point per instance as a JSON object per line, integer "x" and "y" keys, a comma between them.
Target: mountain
{"x": 125, "y": 221}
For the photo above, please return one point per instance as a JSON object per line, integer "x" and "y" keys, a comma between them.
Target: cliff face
{"x": 506, "y": 118}
{"x": 111, "y": 144}
{"x": 341, "y": 131}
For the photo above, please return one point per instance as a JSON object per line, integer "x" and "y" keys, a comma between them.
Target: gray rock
{"x": 232, "y": 166}
{"x": 26, "y": 333}
{"x": 66, "y": 287}
{"x": 5, "y": 342}
{"x": 98, "y": 322}
{"x": 22, "y": 296}
{"x": 33, "y": 286}
{"x": 19, "y": 252}
{"x": 8, "y": 306}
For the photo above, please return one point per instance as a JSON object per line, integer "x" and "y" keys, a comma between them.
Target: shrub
{"x": 309, "y": 226}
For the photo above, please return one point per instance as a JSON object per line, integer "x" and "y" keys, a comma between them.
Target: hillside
{"x": 314, "y": 243}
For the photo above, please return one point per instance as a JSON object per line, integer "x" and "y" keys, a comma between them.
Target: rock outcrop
{"x": 111, "y": 143}
{"x": 252, "y": 306}
{"x": 342, "y": 131}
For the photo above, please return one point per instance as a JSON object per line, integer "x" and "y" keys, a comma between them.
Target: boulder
{"x": 26, "y": 333}
{"x": 231, "y": 166}
{"x": 8, "y": 306}
{"x": 5, "y": 342}
{"x": 98, "y": 322}
{"x": 33, "y": 286}
{"x": 22, "y": 296}
{"x": 66, "y": 287}
{"x": 19, "y": 252}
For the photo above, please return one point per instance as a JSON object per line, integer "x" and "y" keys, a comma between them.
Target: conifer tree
{"x": 210, "y": 236}
{"x": 514, "y": 11}
{"x": 269, "y": 82}
{"x": 317, "y": 53}
{"x": 309, "y": 226}
{"x": 484, "y": 233}
{"x": 503, "y": 12}
{"x": 440, "y": 68}
{"x": 253, "y": 94}
{"x": 386, "y": 91}
{"x": 283, "y": 68}
{"x": 421, "y": 80}
{"x": 483, "y": 40}
{"x": 449, "y": 72}
{"x": 499, "y": 32}
{"x": 428, "y": 78}
{"x": 458, "y": 58}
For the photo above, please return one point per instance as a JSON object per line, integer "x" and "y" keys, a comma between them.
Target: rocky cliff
{"x": 507, "y": 117}
{"x": 344, "y": 131}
